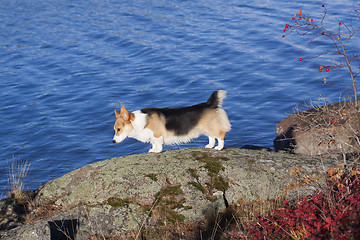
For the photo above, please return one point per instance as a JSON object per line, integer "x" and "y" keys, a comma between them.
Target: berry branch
{"x": 305, "y": 26}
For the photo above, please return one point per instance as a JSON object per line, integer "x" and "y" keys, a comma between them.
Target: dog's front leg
{"x": 157, "y": 145}
{"x": 211, "y": 142}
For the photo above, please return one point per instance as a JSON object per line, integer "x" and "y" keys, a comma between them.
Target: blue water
{"x": 66, "y": 65}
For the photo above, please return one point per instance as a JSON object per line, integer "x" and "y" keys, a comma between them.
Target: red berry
{"x": 323, "y": 5}
{"x": 300, "y": 59}
{"x": 311, "y": 19}
{"x": 299, "y": 18}
{"x": 293, "y": 18}
{"x": 339, "y": 23}
{"x": 320, "y": 69}
{"x": 287, "y": 25}
{"x": 328, "y": 69}
{"x": 283, "y": 36}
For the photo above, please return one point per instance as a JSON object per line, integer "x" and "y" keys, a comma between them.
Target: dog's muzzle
{"x": 118, "y": 139}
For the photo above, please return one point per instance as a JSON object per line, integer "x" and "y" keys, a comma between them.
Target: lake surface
{"x": 66, "y": 65}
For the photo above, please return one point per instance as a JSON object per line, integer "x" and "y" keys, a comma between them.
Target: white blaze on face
{"x": 122, "y": 131}
{"x": 118, "y": 139}
{"x": 122, "y": 126}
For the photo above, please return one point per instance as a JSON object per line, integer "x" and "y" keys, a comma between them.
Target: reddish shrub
{"x": 334, "y": 213}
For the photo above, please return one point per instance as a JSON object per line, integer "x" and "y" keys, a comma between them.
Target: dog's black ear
{"x": 117, "y": 114}
{"x": 124, "y": 113}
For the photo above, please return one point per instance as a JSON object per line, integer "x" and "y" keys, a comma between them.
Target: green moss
{"x": 211, "y": 164}
{"x": 193, "y": 173}
{"x": 170, "y": 216}
{"x": 198, "y": 186}
{"x": 167, "y": 193}
{"x": 169, "y": 190}
{"x": 174, "y": 217}
{"x": 220, "y": 184}
{"x": 152, "y": 176}
{"x": 211, "y": 198}
{"x": 167, "y": 200}
{"x": 180, "y": 204}
{"x": 187, "y": 207}
{"x": 117, "y": 202}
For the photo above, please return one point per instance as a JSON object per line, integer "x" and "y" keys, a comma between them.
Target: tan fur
{"x": 156, "y": 124}
{"x": 123, "y": 118}
{"x": 214, "y": 123}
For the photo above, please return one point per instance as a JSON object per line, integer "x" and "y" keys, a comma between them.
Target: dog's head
{"x": 122, "y": 125}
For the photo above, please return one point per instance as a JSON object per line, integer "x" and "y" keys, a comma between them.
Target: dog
{"x": 175, "y": 125}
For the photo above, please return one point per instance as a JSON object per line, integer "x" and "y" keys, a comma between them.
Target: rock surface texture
{"x": 330, "y": 129}
{"x": 128, "y": 193}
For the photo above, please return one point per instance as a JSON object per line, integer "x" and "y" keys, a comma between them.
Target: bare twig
{"x": 305, "y": 26}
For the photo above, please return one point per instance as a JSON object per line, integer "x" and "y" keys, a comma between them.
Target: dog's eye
{"x": 118, "y": 129}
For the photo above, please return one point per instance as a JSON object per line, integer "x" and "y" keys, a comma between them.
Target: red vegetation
{"x": 334, "y": 213}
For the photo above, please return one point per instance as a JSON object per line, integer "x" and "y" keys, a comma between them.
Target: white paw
{"x": 218, "y": 147}
{"x": 209, "y": 146}
{"x": 154, "y": 151}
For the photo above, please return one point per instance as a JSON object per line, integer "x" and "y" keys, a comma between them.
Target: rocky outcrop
{"x": 330, "y": 129}
{"x": 125, "y": 194}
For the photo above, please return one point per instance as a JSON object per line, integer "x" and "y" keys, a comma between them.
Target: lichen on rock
{"x": 187, "y": 185}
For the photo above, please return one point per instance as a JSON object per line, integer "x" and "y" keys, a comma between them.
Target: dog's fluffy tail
{"x": 216, "y": 98}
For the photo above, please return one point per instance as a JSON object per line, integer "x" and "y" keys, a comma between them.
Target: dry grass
{"x": 331, "y": 129}
{"x": 216, "y": 227}
{"x": 18, "y": 172}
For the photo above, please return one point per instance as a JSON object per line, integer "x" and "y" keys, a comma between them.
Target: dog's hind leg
{"x": 211, "y": 142}
{"x": 220, "y": 144}
{"x": 220, "y": 138}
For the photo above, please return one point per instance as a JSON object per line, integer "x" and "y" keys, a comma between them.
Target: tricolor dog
{"x": 175, "y": 125}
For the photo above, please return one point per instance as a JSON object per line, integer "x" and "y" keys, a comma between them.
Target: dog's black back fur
{"x": 182, "y": 120}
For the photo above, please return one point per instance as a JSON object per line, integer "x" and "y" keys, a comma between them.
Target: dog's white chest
{"x": 139, "y": 132}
